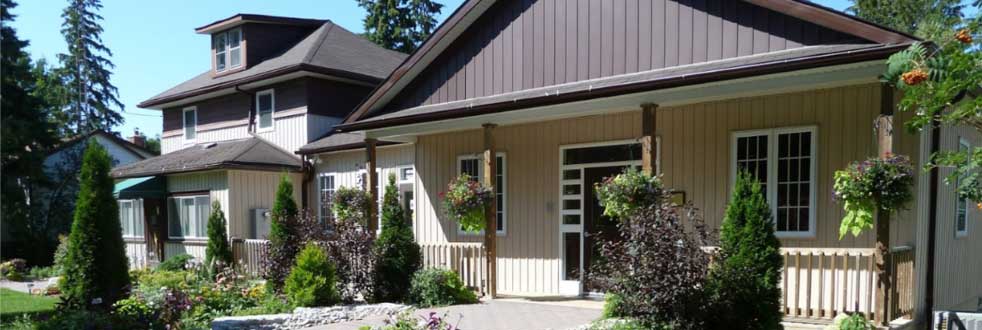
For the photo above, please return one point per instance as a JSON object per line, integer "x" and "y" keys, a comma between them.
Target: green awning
{"x": 143, "y": 187}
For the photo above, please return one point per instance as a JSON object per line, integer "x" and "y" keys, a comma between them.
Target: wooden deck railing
{"x": 467, "y": 259}
{"x": 819, "y": 283}
{"x": 902, "y": 300}
{"x": 249, "y": 254}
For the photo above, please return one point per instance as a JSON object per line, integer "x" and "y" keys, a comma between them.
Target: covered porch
{"x": 696, "y": 137}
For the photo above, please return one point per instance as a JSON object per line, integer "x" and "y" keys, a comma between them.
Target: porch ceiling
{"x": 824, "y": 77}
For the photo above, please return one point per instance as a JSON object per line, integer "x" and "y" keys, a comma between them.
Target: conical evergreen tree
{"x": 218, "y": 253}
{"x": 745, "y": 281}
{"x": 398, "y": 255}
{"x": 284, "y": 239}
{"x": 26, "y": 129}
{"x": 95, "y": 267}
{"x": 86, "y": 69}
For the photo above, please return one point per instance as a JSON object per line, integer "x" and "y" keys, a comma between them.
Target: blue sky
{"x": 154, "y": 45}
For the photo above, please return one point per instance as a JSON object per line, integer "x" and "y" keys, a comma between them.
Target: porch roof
{"x": 250, "y": 153}
{"x": 142, "y": 187}
{"x": 337, "y": 141}
{"x": 729, "y": 69}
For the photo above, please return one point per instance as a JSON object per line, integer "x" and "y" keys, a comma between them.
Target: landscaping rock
{"x": 306, "y": 317}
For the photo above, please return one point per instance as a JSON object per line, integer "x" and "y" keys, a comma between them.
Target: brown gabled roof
{"x": 251, "y": 153}
{"x": 467, "y": 13}
{"x": 239, "y": 19}
{"x": 330, "y": 50}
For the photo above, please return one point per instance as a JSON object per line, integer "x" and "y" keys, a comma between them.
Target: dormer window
{"x": 228, "y": 49}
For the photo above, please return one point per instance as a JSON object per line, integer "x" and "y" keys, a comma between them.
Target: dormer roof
{"x": 329, "y": 50}
{"x": 239, "y": 19}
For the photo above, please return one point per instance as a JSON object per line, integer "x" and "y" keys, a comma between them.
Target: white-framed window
{"x": 961, "y": 203}
{"x": 228, "y": 49}
{"x": 784, "y": 161}
{"x": 190, "y": 123}
{"x": 471, "y": 165}
{"x": 326, "y": 187}
{"x": 188, "y": 216}
{"x": 405, "y": 177}
{"x": 130, "y": 219}
{"x": 265, "y": 105}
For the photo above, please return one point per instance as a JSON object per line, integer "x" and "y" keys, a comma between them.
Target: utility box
{"x": 260, "y": 222}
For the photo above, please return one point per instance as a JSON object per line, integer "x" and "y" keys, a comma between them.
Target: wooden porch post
{"x": 649, "y": 148}
{"x": 491, "y": 210}
{"x": 884, "y": 285}
{"x": 371, "y": 181}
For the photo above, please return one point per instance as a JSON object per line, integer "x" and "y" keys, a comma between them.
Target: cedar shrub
{"x": 284, "y": 238}
{"x": 95, "y": 264}
{"x": 218, "y": 253}
{"x": 311, "y": 281}
{"x": 397, "y": 255}
{"x": 744, "y": 283}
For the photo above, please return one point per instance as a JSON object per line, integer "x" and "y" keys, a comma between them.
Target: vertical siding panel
{"x": 714, "y": 30}
{"x": 685, "y": 32}
{"x": 644, "y": 34}
{"x": 672, "y": 32}
{"x": 700, "y": 36}
{"x": 745, "y": 31}
{"x": 659, "y": 33}
{"x": 538, "y": 45}
{"x": 618, "y": 26}
{"x": 551, "y": 57}
{"x": 632, "y": 41}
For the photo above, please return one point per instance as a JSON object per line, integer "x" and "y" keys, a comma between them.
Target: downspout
{"x": 308, "y": 175}
{"x": 252, "y": 107}
{"x": 932, "y": 229}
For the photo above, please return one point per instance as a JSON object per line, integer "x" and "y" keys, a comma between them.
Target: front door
{"x": 597, "y": 228}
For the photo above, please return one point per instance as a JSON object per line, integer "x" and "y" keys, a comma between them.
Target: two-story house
{"x": 274, "y": 85}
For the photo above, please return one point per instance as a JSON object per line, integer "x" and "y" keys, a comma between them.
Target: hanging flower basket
{"x": 872, "y": 185}
{"x": 625, "y": 193}
{"x": 465, "y": 200}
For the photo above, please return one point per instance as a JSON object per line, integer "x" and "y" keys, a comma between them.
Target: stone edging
{"x": 306, "y": 317}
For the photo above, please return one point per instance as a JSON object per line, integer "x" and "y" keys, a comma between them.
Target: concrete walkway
{"x": 22, "y": 286}
{"x": 503, "y": 314}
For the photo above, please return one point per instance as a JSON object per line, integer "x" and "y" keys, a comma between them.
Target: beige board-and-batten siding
{"x": 695, "y": 158}
{"x": 958, "y": 263}
{"x": 238, "y": 192}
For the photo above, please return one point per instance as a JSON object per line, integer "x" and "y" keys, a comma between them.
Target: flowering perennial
{"x": 465, "y": 200}
{"x": 871, "y": 185}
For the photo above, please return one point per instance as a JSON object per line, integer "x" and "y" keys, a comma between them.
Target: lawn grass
{"x": 14, "y": 303}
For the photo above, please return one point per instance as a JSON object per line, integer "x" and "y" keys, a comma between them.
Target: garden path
{"x": 504, "y": 314}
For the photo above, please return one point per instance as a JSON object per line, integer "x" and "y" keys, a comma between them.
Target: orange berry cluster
{"x": 914, "y": 77}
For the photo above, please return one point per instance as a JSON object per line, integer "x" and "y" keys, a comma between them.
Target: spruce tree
{"x": 745, "y": 280}
{"x": 284, "y": 238}
{"x": 86, "y": 70}
{"x": 218, "y": 253}
{"x": 923, "y": 18}
{"x": 25, "y": 131}
{"x": 399, "y": 25}
{"x": 95, "y": 265}
{"x": 398, "y": 256}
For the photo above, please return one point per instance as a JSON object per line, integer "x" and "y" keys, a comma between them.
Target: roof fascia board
{"x": 781, "y": 83}
{"x": 835, "y": 20}
{"x": 240, "y": 19}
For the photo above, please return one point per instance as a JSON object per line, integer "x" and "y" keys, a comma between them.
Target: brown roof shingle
{"x": 250, "y": 153}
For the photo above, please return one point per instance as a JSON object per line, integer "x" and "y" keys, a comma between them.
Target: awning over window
{"x": 142, "y": 187}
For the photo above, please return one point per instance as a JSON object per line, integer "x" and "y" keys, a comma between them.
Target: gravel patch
{"x": 303, "y": 317}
